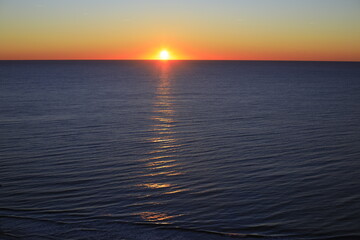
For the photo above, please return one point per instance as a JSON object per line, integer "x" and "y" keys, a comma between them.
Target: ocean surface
{"x": 136, "y": 150}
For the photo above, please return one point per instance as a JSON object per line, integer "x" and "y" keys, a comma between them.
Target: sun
{"x": 164, "y": 55}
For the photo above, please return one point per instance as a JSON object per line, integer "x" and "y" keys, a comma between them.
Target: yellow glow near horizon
{"x": 140, "y": 30}
{"x": 164, "y": 55}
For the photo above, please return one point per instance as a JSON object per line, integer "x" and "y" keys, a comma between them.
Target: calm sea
{"x": 137, "y": 150}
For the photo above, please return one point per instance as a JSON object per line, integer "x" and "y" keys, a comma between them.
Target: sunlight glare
{"x": 164, "y": 55}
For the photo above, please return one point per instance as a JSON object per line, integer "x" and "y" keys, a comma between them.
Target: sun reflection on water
{"x": 155, "y": 216}
{"x": 160, "y": 169}
{"x": 155, "y": 185}
{"x": 151, "y": 164}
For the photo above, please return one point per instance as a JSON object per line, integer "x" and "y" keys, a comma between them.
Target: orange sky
{"x": 138, "y": 29}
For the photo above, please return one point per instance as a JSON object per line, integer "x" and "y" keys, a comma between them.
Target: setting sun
{"x": 164, "y": 55}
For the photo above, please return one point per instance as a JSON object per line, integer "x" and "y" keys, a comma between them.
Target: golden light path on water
{"x": 164, "y": 163}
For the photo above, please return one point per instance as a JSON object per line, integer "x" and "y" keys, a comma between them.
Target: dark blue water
{"x": 179, "y": 150}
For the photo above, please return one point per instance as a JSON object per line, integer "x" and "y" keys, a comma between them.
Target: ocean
{"x": 137, "y": 150}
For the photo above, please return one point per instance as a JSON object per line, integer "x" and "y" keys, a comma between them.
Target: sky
{"x": 315, "y": 30}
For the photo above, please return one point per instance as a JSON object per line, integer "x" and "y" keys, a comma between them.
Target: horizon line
{"x": 160, "y": 60}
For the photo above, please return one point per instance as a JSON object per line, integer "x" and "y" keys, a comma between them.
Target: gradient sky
{"x": 189, "y": 29}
